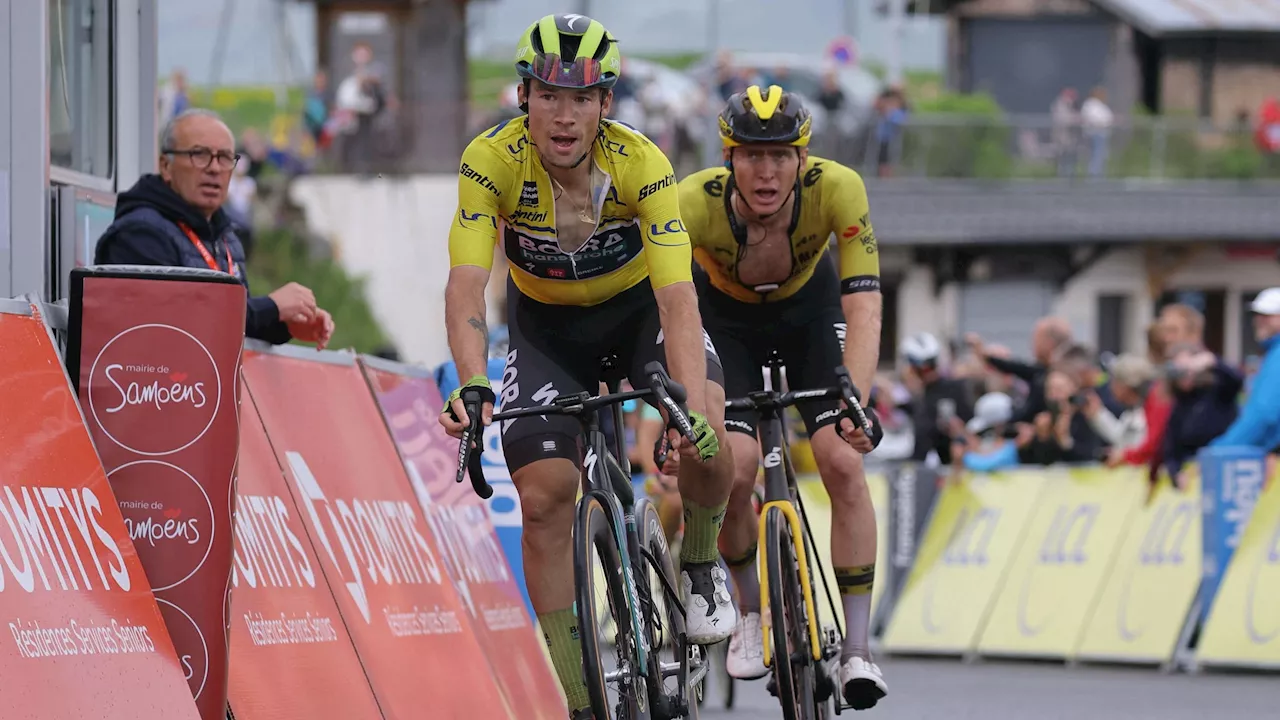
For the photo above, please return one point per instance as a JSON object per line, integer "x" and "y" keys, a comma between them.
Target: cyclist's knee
{"x": 715, "y": 407}
{"x": 840, "y": 466}
{"x": 746, "y": 461}
{"x": 548, "y": 489}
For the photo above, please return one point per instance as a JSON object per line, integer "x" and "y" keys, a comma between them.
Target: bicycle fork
{"x": 802, "y": 559}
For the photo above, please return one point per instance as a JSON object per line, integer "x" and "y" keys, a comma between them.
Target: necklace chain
{"x": 583, "y": 214}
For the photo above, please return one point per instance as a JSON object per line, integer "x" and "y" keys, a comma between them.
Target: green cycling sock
{"x": 561, "y": 631}
{"x": 701, "y": 530}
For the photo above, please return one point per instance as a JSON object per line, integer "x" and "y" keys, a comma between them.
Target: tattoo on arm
{"x": 481, "y": 328}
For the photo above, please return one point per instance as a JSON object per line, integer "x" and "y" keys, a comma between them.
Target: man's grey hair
{"x": 167, "y": 138}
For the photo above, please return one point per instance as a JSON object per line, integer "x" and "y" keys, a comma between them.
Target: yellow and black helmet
{"x": 754, "y": 117}
{"x": 571, "y": 51}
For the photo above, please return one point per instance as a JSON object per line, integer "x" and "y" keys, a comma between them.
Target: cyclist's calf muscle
{"x": 740, "y": 529}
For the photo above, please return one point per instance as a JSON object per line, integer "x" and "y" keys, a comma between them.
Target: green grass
{"x": 280, "y": 257}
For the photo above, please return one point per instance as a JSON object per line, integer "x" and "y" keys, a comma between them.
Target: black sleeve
{"x": 262, "y": 321}
{"x": 136, "y": 243}
{"x": 1022, "y": 370}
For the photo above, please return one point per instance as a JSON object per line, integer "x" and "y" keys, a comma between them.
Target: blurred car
{"x": 804, "y": 75}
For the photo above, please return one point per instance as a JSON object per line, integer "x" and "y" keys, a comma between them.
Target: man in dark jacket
{"x": 1049, "y": 338}
{"x": 175, "y": 219}
{"x": 941, "y": 404}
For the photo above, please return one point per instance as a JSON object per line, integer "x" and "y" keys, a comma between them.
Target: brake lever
{"x": 670, "y": 395}
{"x": 850, "y": 393}
{"x": 469, "y": 461}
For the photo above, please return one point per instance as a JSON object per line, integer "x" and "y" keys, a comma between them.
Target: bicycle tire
{"x": 794, "y": 682}
{"x": 593, "y": 531}
{"x": 671, "y": 640}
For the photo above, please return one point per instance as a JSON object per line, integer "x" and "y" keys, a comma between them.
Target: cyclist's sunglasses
{"x": 581, "y": 73}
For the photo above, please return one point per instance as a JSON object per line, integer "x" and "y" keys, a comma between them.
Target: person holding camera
{"x": 1060, "y": 432}
{"x": 1204, "y": 406}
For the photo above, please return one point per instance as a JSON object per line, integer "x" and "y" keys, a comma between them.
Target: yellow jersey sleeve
{"x": 474, "y": 232}
{"x": 657, "y": 201}
{"x": 845, "y": 197}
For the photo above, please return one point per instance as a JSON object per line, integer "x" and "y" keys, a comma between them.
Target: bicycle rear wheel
{"x": 610, "y": 669}
{"x": 793, "y": 666}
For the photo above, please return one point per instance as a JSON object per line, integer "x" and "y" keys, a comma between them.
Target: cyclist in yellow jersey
{"x": 761, "y": 227}
{"x": 587, "y": 214}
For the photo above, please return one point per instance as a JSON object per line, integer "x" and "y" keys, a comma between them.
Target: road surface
{"x": 993, "y": 690}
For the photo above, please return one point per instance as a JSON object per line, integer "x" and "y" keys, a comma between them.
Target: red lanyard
{"x": 204, "y": 252}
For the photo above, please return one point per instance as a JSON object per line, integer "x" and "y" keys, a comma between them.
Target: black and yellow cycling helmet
{"x": 569, "y": 51}
{"x": 754, "y": 117}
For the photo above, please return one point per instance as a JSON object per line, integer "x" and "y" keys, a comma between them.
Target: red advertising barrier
{"x": 291, "y": 654}
{"x": 155, "y": 355}
{"x": 410, "y": 403}
{"x": 376, "y": 550}
{"x": 83, "y": 637}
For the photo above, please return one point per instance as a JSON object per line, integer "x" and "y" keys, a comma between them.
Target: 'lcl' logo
{"x": 1063, "y": 544}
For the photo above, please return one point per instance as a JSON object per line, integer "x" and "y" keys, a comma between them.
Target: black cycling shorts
{"x": 807, "y": 329}
{"x": 556, "y": 350}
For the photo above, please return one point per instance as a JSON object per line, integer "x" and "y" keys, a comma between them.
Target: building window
{"x": 81, "y": 117}
{"x": 1113, "y": 323}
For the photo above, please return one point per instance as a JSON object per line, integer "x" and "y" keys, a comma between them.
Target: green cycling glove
{"x": 477, "y": 382}
{"x": 708, "y": 444}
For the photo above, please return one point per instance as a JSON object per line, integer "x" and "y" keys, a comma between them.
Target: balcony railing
{"x": 1017, "y": 147}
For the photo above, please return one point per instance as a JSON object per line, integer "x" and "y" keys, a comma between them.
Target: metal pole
{"x": 894, "y": 68}
{"x": 584, "y": 7}
{"x": 850, "y": 23}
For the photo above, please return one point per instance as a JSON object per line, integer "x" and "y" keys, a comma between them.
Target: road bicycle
{"x": 801, "y": 651}
{"x": 648, "y": 642}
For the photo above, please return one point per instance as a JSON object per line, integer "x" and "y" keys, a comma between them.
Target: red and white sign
{"x": 472, "y": 553}
{"x": 293, "y": 656}
{"x": 82, "y": 635}
{"x": 158, "y": 357}
{"x": 376, "y": 550}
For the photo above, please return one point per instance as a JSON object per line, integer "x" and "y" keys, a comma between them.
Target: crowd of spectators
{"x": 1155, "y": 410}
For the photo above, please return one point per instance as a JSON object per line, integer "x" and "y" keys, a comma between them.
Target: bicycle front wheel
{"x": 610, "y": 667}
{"x": 793, "y": 669}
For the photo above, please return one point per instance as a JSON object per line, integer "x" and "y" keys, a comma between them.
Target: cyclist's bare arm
{"x": 859, "y": 275}
{"x": 682, "y": 333}
{"x": 472, "y": 239}
{"x": 670, "y": 259}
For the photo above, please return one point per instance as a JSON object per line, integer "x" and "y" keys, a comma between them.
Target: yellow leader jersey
{"x": 832, "y": 199}
{"x": 504, "y": 192}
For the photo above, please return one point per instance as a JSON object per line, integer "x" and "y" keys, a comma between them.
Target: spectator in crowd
{"x": 172, "y": 97}
{"x": 1156, "y": 407}
{"x": 1078, "y": 360}
{"x": 361, "y": 99}
{"x": 1048, "y": 338}
{"x": 1066, "y": 129}
{"x": 984, "y": 444}
{"x": 729, "y": 80}
{"x": 937, "y": 401}
{"x": 1259, "y": 422}
{"x": 1180, "y": 324}
{"x": 315, "y": 111}
{"x": 176, "y": 218}
{"x": 832, "y": 99}
{"x": 1096, "y": 119}
{"x": 1130, "y": 383}
{"x": 891, "y": 108}
{"x": 1062, "y": 434}
{"x": 1204, "y": 390}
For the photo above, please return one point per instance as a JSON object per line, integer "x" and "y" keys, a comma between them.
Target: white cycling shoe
{"x": 745, "y": 660}
{"x": 709, "y": 614}
{"x": 861, "y": 683}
